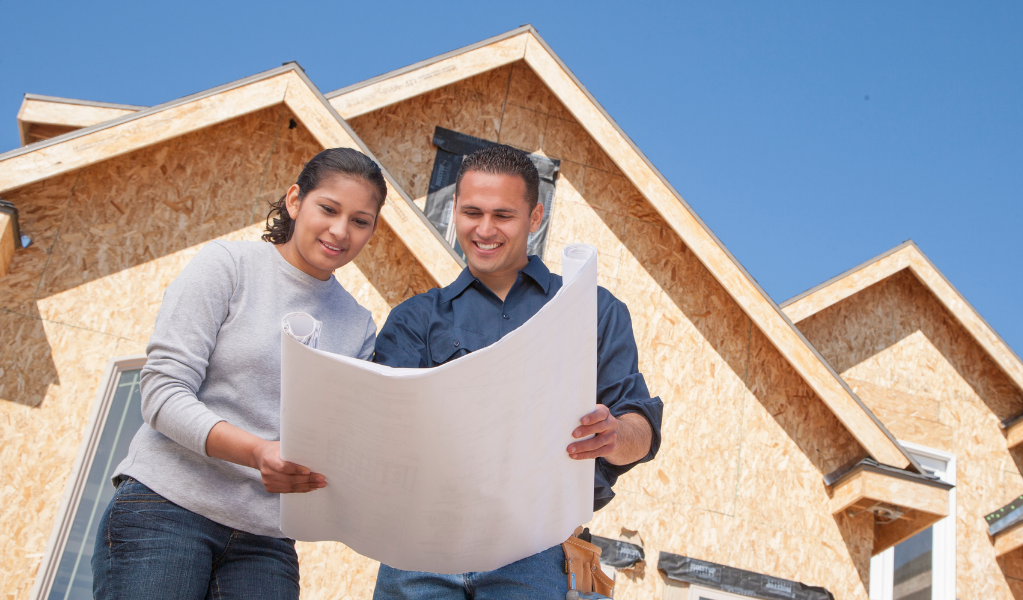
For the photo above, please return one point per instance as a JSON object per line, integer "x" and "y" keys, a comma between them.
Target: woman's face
{"x": 332, "y": 224}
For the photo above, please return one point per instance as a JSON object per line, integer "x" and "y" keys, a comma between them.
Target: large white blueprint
{"x": 458, "y": 468}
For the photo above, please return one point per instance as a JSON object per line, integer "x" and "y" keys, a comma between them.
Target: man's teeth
{"x": 486, "y": 246}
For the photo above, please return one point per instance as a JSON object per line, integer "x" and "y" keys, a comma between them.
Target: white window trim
{"x": 80, "y": 471}
{"x": 697, "y": 592}
{"x": 943, "y": 574}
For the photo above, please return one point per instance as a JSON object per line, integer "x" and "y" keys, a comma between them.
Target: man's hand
{"x": 281, "y": 476}
{"x": 620, "y": 441}
{"x": 605, "y": 427}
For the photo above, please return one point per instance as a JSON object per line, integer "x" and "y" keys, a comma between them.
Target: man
{"x": 496, "y": 208}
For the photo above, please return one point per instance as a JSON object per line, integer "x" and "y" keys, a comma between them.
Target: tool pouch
{"x": 582, "y": 566}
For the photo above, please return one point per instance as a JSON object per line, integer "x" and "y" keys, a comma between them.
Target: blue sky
{"x": 808, "y": 136}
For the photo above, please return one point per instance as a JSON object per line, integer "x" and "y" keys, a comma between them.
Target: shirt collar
{"x": 534, "y": 269}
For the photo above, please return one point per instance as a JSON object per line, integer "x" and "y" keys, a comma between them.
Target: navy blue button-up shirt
{"x": 443, "y": 324}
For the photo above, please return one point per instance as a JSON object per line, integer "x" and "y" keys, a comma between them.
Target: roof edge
{"x": 847, "y": 273}
{"x": 430, "y": 61}
{"x": 62, "y": 100}
{"x": 912, "y": 461}
{"x": 151, "y": 110}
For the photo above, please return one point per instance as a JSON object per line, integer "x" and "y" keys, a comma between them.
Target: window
{"x": 924, "y": 566}
{"x": 66, "y": 570}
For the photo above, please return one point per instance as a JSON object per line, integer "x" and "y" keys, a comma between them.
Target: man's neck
{"x": 501, "y": 282}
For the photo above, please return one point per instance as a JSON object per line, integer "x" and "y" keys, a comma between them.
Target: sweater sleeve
{"x": 193, "y": 309}
{"x": 371, "y": 339}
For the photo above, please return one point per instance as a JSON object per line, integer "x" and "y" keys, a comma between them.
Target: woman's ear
{"x": 292, "y": 202}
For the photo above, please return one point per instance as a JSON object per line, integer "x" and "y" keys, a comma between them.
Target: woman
{"x": 196, "y": 512}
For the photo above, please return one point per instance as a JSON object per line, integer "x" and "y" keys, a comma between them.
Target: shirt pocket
{"x": 454, "y": 343}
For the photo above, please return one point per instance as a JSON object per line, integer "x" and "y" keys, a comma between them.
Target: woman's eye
{"x": 361, "y": 223}
{"x": 329, "y": 210}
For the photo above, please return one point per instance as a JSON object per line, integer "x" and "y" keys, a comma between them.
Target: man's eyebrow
{"x": 496, "y": 210}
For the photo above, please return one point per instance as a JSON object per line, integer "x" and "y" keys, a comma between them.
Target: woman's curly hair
{"x": 347, "y": 162}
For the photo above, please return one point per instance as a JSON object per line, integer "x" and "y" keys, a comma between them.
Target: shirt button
{"x": 505, "y": 316}
{"x": 456, "y": 343}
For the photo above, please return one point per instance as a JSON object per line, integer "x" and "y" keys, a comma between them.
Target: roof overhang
{"x": 286, "y": 85}
{"x": 903, "y": 503}
{"x": 908, "y": 256}
{"x": 44, "y": 117}
{"x": 525, "y": 44}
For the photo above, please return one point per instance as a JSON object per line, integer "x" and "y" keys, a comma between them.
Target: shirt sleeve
{"x": 402, "y": 339}
{"x": 620, "y": 385}
{"x": 193, "y": 309}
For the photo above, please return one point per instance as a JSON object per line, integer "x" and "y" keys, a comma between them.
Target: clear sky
{"x": 809, "y": 136}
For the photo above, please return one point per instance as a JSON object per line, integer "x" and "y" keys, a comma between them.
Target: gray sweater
{"x": 215, "y": 355}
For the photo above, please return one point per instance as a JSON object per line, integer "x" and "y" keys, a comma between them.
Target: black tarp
{"x": 452, "y": 147}
{"x": 618, "y": 554}
{"x": 1005, "y": 517}
{"x": 736, "y": 581}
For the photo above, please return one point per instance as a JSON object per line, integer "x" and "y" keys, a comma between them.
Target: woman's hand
{"x": 240, "y": 447}
{"x": 281, "y": 476}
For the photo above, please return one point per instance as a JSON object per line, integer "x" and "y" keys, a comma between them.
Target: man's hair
{"x": 503, "y": 160}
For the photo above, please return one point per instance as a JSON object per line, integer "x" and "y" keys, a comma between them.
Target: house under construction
{"x": 860, "y": 441}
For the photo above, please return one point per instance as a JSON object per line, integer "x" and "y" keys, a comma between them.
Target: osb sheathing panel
{"x": 895, "y": 335}
{"x": 106, "y": 242}
{"x": 739, "y": 478}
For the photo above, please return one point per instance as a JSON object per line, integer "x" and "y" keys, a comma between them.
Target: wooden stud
{"x": 1014, "y": 434}
{"x": 7, "y": 244}
{"x": 1008, "y": 540}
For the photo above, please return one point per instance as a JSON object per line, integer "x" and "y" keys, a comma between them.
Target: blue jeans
{"x": 538, "y": 577}
{"x": 149, "y": 547}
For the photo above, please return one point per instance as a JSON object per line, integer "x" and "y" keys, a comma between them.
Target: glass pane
{"x": 913, "y": 567}
{"x": 73, "y": 579}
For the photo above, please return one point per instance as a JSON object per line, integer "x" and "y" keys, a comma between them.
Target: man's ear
{"x": 536, "y": 217}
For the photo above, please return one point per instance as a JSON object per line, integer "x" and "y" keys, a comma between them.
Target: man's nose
{"x": 486, "y": 227}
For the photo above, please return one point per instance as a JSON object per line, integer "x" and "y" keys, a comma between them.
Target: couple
{"x": 196, "y": 512}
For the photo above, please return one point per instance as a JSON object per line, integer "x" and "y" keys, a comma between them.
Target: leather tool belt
{"x": 582, "y": 565}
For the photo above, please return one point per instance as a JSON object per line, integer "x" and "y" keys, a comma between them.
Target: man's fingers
{"x": 600, "y": 445}
{"x": 598, "y": 427}
{"x": 596, "y": 416}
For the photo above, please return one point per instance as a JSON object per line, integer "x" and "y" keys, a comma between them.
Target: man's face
{"x": 493, "y": 221}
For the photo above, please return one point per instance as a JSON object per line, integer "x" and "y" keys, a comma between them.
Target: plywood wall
{"x": 106, "y": 242}
{"x": 746, "y": 443}
{"x": 930, "y": 383}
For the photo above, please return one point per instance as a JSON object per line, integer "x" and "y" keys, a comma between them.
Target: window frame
{"x": 943, "y": 556}
{"x": 696, "y": 592}
{"x": 75, "y": 486}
